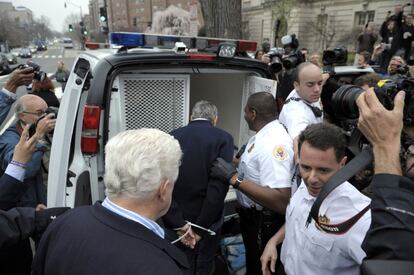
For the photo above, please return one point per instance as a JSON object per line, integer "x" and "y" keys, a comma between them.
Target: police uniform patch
{"x": 280, "y": 153}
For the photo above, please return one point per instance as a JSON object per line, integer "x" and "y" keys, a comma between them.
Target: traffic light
{"x": 103, "y": 15}
{"x": 85, "y": 32}
{"x": 70, "y": 28}
{"x": 81, "y": 23}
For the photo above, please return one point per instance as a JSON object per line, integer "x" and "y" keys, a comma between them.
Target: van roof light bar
{"x": 206, "y": 44}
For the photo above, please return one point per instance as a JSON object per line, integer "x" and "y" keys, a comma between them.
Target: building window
{"x": 142, "y": 9}
{"x": 134, "y": 22}
{"x": 363, "y": 17}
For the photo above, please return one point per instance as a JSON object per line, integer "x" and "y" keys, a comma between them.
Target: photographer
{"x": 29, "y": 109}
{"x": 18, "y": 78}
{"x": 391, "y": 235}
{"x": 290, "y": 45}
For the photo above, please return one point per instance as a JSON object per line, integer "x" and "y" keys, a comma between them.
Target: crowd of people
{"x": 163, "y": 211}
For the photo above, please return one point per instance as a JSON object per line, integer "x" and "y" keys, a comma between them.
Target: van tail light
{"x": 90, "y": 131}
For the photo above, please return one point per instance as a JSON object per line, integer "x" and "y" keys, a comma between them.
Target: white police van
{"x": 150, "y": 81}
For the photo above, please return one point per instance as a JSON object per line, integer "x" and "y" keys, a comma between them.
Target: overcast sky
{"x": 53, "y": 9}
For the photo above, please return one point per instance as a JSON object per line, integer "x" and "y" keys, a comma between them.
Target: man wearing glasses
{"x": 29, "y": 108}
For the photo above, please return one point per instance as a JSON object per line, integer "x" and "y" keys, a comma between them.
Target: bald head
{"x": 308, "y": 81}
{"x": 29, "y": 108}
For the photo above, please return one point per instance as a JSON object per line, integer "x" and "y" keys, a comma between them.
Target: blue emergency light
{"x": 127, "y": 39}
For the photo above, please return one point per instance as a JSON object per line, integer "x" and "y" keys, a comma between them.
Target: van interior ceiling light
{"x": 180, "y": 48}
{"x": 226, "y": 50}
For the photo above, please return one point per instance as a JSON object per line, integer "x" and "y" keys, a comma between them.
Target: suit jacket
{"x": 11, "y": 190}
{"x": 197, "y": 197}
{"x": 94, "y": 240}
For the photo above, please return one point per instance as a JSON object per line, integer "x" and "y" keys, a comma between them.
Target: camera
{"x": 336, "y": 56}
{"x": 275, "y": 55}
{"x": 344, "y": 99}
{"x": 49, "y": 110}
{"x": 38, "y": 74}
{"x": 293, "y": 59}
{"x": 278, "y": 61}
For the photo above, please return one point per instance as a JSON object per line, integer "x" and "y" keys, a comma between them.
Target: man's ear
{"x": 343, "y": 161}
{"x": 296, "y": 85}
{"x": 214, "y": 121}
{"x": 164, "y": 189}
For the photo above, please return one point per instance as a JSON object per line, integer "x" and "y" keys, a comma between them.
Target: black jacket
{"x": 93, "y": 240}
{"x": 391, "y": 235}
{"x": 10, "y": 191}
{"x": 197, "y": 197}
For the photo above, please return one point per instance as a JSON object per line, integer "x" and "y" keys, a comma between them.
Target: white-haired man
{"x": 120, "y": 236}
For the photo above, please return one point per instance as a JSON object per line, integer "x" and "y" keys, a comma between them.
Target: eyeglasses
{"x": 38, "y": 113}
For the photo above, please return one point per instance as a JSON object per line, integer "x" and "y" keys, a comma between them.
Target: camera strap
{"x": 356, "y": 164}
{"x": 315, "y": 110}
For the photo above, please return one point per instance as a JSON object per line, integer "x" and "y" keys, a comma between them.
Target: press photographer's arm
{"x": 383, "y": 129}
{"x": 391, "y": 234}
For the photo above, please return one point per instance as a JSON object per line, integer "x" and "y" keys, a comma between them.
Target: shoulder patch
{"x": 280, "y": 152}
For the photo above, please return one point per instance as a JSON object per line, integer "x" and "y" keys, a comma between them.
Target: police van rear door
{"x": 70, "y": 109}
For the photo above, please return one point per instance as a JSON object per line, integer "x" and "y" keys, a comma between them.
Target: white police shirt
{"x": 311, "y": 251}
{"x": 296, "y": 115}
{"x": 267, "y": 160}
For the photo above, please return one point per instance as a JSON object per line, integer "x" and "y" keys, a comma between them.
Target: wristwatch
{"x": 239, "y": 180}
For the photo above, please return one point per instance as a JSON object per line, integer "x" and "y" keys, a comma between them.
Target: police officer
{"x": 332, "y": 243}
{"x": 263, "y": 177}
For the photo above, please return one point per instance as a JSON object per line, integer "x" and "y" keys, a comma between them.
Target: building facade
{"x": 318, "y": 24}
{"x": 133, "y": 15}
{"x": 21, "y": 15}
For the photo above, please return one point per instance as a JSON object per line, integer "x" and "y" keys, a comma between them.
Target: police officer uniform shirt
{"x": 308, "y": 250}
{"x": 267, "y": 160}
{"x": 297, "y": 114}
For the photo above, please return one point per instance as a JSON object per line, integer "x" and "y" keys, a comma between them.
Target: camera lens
{"x": 344, "y": 101}
{"x": 290, "y": 62}
{"x": 276, "y": 64}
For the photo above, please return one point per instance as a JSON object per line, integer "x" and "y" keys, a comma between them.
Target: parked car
{"x": 25, "y": 53}
{"x": 16, "y": 51}
{"x": 4, "y": 64}
{"x": 33, "y": 49}
{"x": 11, "y": 58}
{"x": 41, "y": 46}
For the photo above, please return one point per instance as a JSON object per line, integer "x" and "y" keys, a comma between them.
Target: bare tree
{"x": 222, "y": 18}
{"x": 324, "y": 29}
{"x": 172, "y": 20}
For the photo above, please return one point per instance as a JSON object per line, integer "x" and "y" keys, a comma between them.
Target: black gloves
{"x": 222, "y": 170}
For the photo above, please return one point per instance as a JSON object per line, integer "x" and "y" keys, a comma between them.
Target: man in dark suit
{"x": 120, "y": 236}
{"x": 197, "y": 197}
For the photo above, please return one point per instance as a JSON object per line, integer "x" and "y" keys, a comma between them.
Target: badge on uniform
{"x": 280, "y": 153}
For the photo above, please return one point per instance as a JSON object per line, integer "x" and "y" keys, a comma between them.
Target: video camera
{"x": 49, "y": 110}
{"x": 336, "y": 56}
{"x": 38, "y": 74}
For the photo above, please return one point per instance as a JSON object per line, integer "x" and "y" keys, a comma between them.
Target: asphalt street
{"x": 48, "y": 61}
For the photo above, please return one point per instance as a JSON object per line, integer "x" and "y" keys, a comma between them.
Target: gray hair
{"x": 136, "y": 162}
{"x": 204, "y": 109}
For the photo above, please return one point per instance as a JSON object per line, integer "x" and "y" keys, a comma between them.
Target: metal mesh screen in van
{"x": 155, "y": 102}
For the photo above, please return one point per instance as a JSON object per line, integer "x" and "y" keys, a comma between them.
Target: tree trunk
{"x": 222, "y": 18}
